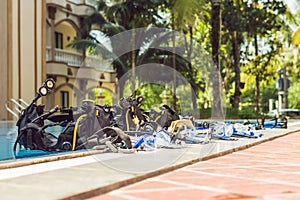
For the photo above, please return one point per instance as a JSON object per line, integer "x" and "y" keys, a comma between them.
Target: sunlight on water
{"x": 8, "y": 135}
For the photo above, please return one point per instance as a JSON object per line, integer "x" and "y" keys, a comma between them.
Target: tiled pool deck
{"x": 264, "y": 168}
{"x": 267, "y": 171}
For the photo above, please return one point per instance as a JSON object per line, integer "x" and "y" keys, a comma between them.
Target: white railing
{"x": 69, "y": 57}
{"x": 76, "y": 59}
{"x": 87, "y": 2}
{"x": 98, "y": 63}
{"x": 16, "y": 106}
{"x": 75, "y": 1}
{"x": 92, "y": 3}
{"x": 57, "y": 2}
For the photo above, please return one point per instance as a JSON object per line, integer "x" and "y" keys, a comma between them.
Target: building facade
{"x": 35, "y": 40}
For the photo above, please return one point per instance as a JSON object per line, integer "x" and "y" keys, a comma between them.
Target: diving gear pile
{"x": 124, "y": 128}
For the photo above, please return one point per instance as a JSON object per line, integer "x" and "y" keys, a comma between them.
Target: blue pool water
{"x": 8, "y": 135}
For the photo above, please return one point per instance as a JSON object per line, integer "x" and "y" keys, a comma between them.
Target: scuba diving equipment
{"x": 164, "y": 116}
{"x": 32, "y": 112}
{"x": 273, "y": 123}
{"x": 129, "y": 116}
{"x": 34, "y": 136}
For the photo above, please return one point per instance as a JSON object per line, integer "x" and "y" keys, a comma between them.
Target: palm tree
{"x": 131, "y": 14}
{"x": 264, "y": 19}
{"x": 146, "y": 40}
{"x": 117, "y": 20}
{"x": 184, "y": 15}
{"x": 232, "y": 10}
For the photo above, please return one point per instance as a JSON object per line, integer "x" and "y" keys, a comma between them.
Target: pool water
{"x": 8, "y": 136}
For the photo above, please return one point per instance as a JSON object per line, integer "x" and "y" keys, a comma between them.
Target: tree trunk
{"x": 133, "y": 58}
{"x": 174, "y": 65}
{"x": 189, "y": 58}
{"x": 217, "y": 110}
{"x": 257, "y": 78}
{"x": 237, "y": 69}
{"x": 236, "y": 55}
{"x": 257, "y": 93}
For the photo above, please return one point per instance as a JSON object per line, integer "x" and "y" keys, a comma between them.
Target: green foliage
{"x": 268, "y": 92}
{"x": 232, "y": 113}
{"x": 95, "y": 93}
{"x": 186, "y": 12}
{"x": 262, "y": 31}
{"x": 293, "y": 98}
{"x": 132, "y": 14}
{"x": 152, "y": 94}
{"x": 205, "y": 113}
{"x": 247, "y": 113}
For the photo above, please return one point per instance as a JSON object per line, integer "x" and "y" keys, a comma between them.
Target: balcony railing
{"x": 77, "y": 5}
{"x": 76, "y": 1}
{"x": 88, "y": 2}
{"x": 76, "y": 59}
{"x": 93, "y": 3}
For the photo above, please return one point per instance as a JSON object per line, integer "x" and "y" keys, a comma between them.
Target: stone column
{"x": 4, "y": 55}
{"x": 51, "y": 15}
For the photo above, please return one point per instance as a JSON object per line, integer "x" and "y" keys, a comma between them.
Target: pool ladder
{"x": 17, "y": 106}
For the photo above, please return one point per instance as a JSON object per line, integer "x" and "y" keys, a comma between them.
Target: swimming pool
{"x": 8, "y": 135}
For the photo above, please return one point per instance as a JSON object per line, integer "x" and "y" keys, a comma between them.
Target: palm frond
{"x": 183, "y": 12}
{"x": 82, "y": 44}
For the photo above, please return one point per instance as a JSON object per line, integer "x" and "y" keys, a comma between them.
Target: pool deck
{"x": 266, "y": 167}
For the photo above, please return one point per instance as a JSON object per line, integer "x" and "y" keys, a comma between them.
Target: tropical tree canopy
{"x": 253, "y": 37}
